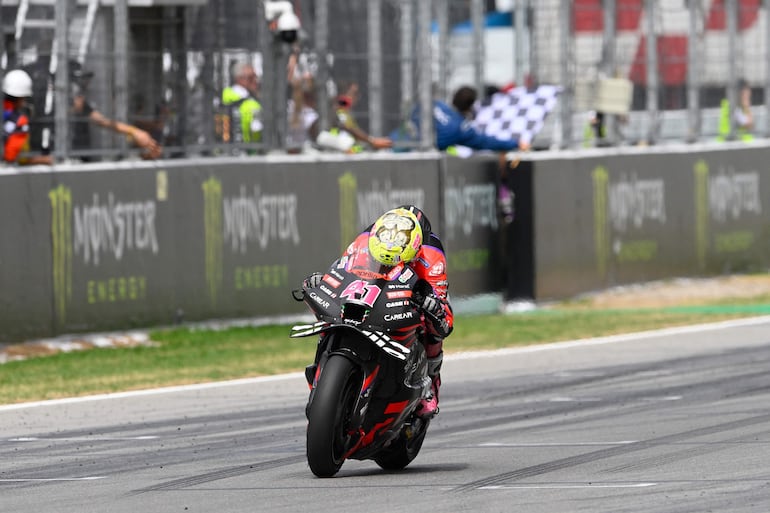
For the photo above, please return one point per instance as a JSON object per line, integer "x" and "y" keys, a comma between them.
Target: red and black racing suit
{"x": 430, "y": 266}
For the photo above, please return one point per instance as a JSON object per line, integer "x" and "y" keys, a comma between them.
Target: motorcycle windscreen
{"x": 364, "y": 266}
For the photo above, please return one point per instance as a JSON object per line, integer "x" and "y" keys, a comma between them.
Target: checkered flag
{"x": 518, "y": 113}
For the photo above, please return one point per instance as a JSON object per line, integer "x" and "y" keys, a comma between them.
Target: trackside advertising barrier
{"x": 605, "y": 220}
{"x": 470, "y": 227}
{"x": 102, "y": 247}
{"x": 95, "y": 247}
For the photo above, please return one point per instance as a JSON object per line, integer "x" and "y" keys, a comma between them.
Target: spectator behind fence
{"x": 303, "y": 126}
{"x": 84, "y": 114}
{"x": 741, "y": 116}
{"x": 242, "y": 120}
{"x": 17, "y": 88}
{"x": 454, "y": 126}
{"x": 154, "y": 121}
{"x": 346, "y": 124}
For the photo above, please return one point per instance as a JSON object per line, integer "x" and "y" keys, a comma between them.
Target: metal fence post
{"x": 374, "y": 25}
{"x": 731, "y": 16}
{"x": 406, "y": 52}
{"x": 121, "y": 66}
{"x": 520, "y": 15}
{"x": 268, "y": 79}
{"x": 477, "y": 20}
{"x": 767, "y": 68}
{"x": 322, "y": 51}
{"x": 567, "y": 79}
{"x": 608, "y": 62}
{"x": 652, "y": 71}
{"x": 424, "y": 12}
{"x": 62, "y": 84}
{"x": 693, "y": 72}
{"x": 442, "y": 18}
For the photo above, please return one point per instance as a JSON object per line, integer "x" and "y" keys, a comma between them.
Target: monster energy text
{"x": 113, "y": 228}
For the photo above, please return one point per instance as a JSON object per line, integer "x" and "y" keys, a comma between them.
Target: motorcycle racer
{"x": 404, "y": 235}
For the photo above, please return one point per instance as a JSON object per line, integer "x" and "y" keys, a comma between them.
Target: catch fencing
{"x": 163, "y": 64}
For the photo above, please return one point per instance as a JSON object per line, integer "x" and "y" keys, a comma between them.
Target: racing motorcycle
{"x": 370, "y": 371}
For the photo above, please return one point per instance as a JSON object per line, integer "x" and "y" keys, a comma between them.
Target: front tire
{"x": 329, "y": 415}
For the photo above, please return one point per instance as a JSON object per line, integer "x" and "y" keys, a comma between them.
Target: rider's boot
{"x": 428, "y": 406}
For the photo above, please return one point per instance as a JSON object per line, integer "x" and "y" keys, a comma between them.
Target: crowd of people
{"x": 239, "y": 121}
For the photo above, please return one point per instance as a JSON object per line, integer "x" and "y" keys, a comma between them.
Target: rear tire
{"x": 329, "y": 415}
{"x": 403, "y": 449}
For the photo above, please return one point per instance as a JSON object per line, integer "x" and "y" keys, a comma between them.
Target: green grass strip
{"x": 185, "y": 356}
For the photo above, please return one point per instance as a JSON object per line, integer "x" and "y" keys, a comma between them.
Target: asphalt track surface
{"x": 676, "y": 421}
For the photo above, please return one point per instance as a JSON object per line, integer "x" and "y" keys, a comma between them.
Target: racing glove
{"x": 434, "y": 310}
{"x": 312, "y": 281}
{"x": 431, "y": 305}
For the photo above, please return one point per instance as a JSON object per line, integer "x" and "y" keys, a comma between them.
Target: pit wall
{"x": 96, "y": 247}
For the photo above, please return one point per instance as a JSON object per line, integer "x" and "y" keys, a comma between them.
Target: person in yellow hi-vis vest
{"x": 245, "y": 124}
{"x": 742, "y": 116}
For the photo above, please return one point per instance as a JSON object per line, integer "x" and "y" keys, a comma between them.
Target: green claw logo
{"x": 701, "y": 171}
{"x": 61, "y": 239}
{"x": 348, "y": 191}
{"x": 212, "y": 223}
{"x": 601, "y": 179}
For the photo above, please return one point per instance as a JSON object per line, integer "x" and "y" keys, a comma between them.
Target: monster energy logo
{"x": 348, "y": 192}
{"x": 114, "y": 228}
{"x": 469, "y": 206}
{"x": 212, "y": 223}
{"x": 382, "y": 197}
{"x": 259, "y": 218}
{"x": 701, "y": 171}
{"x": 601, "y": 181}
{"x": 61, "y": 237}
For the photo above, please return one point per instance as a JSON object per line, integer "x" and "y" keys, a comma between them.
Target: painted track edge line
{"x": 750, "y": 321}
{"x": 611, "y": 339}
{"x": 153, "y": 391}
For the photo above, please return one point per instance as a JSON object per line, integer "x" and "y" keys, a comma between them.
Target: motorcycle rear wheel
{"x": 329, "y": 415}
{"x": 403, "y": 449}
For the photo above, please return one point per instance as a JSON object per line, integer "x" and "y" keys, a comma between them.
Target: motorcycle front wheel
{"x": 329, "y": 415}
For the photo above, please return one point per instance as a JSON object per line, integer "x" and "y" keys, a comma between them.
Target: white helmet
{"x": 17, "y": 83}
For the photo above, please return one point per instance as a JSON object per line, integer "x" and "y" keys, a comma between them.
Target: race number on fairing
{"x": 362, "y": 291}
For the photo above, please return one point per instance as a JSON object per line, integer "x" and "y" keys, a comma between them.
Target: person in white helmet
{"x": 17, "y": 87}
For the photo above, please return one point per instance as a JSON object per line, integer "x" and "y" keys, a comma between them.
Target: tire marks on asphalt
{"x": 224, "y": 473}
{"x": 580, "y": 459}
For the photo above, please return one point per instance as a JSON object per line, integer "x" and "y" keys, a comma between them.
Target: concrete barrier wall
{"x": 470, "y": 225}
{"x": 118, "y": 246}
{"x": 606, "y": 220}
{"x": 135, "y": 245}
{"x": 25, "y": 256}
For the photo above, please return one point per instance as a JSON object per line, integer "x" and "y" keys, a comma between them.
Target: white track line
{"x": 567, "y": 486}
{"x": 751, "y": 321}
{"x": 51, "y": 479}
